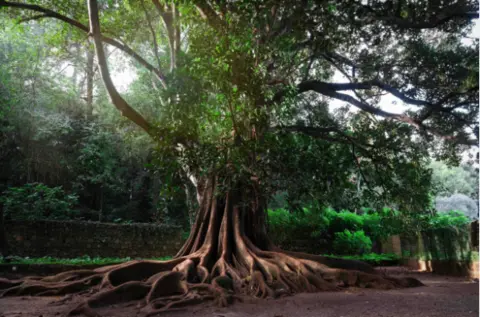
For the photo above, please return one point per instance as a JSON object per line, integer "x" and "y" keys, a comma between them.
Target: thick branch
{"x": 209, "y": 14}
{"x": 117, "y": 100}
{"x": 125, "y": 48}
{"x": 323, "y": 86}
{"x": 330, "y": 90}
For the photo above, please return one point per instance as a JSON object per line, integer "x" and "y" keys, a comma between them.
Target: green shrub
{"x": 356, "y": 242}
{"x": 285, "y": 228}
{"x": 37, "y": 201}
{"x": 345, "y": 220}
{"x": 321, "y": 227}
{"x": 452, "y": 219}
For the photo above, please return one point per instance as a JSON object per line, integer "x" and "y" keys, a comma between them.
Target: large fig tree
{"x": 235, "y": 79}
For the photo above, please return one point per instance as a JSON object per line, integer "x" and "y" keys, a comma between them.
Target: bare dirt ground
{"x": 442, "y": 296}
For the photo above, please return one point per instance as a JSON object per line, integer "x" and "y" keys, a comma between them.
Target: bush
{"x": 287, "y": 228}
{"x": 344, "y": 219}
{"x": 318, "y": 230}
{"x": 451, "y": 220}
{"x": 460, "y": 202}
{"x": 37, "y": 201}
{"x": 356, "y": 242}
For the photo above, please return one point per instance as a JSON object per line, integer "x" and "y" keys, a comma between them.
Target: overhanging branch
{"x": 331, "y": 90}
{"x": 117, "y": 100}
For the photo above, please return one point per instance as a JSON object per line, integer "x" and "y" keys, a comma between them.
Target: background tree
{"x": 227, "y": 97}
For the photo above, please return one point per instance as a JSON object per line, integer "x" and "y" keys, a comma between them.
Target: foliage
{"x": 451, "y": 180}
{"x": 355, "y": 242}
{"x": 451, "y": 220}
{"x": 459, "y": 202}
{"x": 47, "y": 135}
{"x": 286, "y": 226}
{"x": 320, "y": 227}
{"x": 37, "y": 201}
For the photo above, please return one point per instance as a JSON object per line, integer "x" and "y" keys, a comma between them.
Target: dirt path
{"x": 443, "y": 296}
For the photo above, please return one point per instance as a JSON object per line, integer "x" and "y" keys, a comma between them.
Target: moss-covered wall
{"x": 69, "y": 239}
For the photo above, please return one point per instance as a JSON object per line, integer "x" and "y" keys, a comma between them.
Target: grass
{"x": 85, "y": 260}
{"x": 372, "y": 258}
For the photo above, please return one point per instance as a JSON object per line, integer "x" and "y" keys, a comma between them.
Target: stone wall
{"x": 70, "y": 239}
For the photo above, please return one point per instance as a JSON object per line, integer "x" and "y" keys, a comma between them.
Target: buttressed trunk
{"x": 226, "y": 220}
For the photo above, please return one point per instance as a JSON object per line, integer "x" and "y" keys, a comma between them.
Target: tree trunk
{"x": 90, "y": 75}
{"x": 190, "y": 194}
{"x": 3, "y": 235}
{"x": 228, "y": 253}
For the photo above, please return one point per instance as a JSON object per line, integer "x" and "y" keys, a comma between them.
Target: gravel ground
{"x": 442, "y": 296}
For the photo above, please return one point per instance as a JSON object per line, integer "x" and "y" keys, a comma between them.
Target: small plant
{"x": 355, "y": 242}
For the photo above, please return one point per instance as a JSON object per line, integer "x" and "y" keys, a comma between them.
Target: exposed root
{"x": 163, "y": 286}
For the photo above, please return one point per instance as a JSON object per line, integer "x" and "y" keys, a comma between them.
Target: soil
{"x": 442, "y": 296}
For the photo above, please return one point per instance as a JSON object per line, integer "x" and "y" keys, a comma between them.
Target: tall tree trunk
{"x": 75, "y": 51}
{"x": 90, "y": 75}
{"x": 190, "y": 194}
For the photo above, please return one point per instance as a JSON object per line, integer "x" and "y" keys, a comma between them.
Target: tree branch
{"x": 167, "y": 15}
{"x": 32, "y": 18}
{"x": 330, "y": 90}
{"x": 312, "y": 131}
{"x": 117, "y": 100}
{"x": 152, "y": 30}
{"x": 209, "y": 14}
{"x": 178, "y": 30}
{"x": 125, "y": 48}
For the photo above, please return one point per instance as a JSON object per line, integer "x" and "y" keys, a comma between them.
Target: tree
{"x": 452, "y": 180}
{"x": 228, "y": 90}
